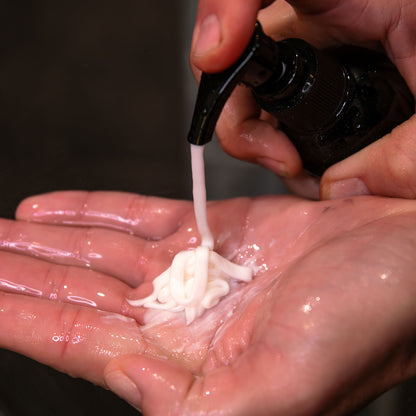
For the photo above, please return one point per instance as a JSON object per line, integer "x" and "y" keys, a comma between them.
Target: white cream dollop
{"x": 196, "y": 281}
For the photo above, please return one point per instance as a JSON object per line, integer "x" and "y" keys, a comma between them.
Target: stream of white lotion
{"x": 197, "y": 279}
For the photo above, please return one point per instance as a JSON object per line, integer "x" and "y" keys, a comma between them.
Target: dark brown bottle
{"x": 330, "y": 103}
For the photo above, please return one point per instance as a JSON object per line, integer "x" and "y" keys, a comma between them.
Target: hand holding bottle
{"x": 386, "y": 167}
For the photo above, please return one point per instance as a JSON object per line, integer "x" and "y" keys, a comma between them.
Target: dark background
{"x": 90, "y": 95}
{"x": 90, "y": 98}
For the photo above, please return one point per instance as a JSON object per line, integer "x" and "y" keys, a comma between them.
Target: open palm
{"x": 327, "y": 322}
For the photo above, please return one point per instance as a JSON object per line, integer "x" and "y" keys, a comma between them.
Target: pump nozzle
{"x": 258, "y": 63}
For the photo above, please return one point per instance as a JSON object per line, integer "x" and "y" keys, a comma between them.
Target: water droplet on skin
{"x": 307, "y": 307}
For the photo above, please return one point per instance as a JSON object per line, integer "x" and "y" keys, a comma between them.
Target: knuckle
{"x": 66, "y": 332}
{"x": 83, "y": 243}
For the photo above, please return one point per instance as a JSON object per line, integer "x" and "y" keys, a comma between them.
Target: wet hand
{"x": 387, "y": 167}
{"x": 327, "y": 322}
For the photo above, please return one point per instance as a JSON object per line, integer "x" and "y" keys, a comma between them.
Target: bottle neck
{"x": 308, "y": 91}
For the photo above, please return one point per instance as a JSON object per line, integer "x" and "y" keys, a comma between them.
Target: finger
{"x": 327, "y": 23}
{"x": 26, "y": 276}
{"x": 75, "y": 340}
{"x": 246, "y": 134}
{"x": 386, "y": 167}
{"x": 234, "y": 389}
{"x": 313, "y": 7}
{"x": 222, "y": 31}
{"x": 148, "y": 217}
{"x": 304, "y": 185}
{"x": 140, "y": 380}
{"x": 123, "y": 256}
{"x": 278, "y": 20}
{"x": 399, "y": 43}
{"x": 282, "y": 21}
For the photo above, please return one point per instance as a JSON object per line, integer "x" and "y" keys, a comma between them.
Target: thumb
{"x": 156, "y": 387}
{"x": 387, "y": 167}
{"x": 222, "y": 31}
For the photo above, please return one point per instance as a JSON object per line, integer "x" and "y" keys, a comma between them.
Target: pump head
{"x": 257, "y": 64}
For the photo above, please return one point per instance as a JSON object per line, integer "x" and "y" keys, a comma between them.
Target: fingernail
{"x": 124, "y": 387}
{"x": 209, "y": 35}
{"x": 275, "y": 166}
{"x": 346, "y": 188}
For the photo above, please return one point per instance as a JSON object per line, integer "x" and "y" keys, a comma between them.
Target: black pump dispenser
{"x": 330, "y": 103}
